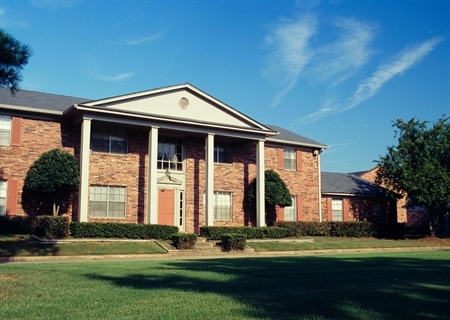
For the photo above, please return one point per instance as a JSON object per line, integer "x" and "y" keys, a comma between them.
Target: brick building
{"x": 173, "y": 155}
{"x": 348, "y": 197}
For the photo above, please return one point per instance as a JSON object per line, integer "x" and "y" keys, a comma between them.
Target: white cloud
{"x": 143, "y": 40}
{"x": 96, "y": 74}
{"x": 345, "y": 56}
{"x": 370, "y": 86}
{"x": 290, "y": 40}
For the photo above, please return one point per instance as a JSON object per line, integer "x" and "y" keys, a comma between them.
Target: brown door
{"x": 166, "y": 206}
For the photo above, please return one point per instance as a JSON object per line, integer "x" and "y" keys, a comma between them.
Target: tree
{"x": 276, "y": 193}
{"x": 420, "y": 166}
{"x": 13, "y": 56}
{"x": 54, "y": 174}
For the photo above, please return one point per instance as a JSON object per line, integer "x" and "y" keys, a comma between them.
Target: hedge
{"x": 232, "y": 241}
{"x": 43, "y": 226}
{"x": 184, "y": 241}
{"x": 121, "y": 230}
{"x": 216, "y": 233}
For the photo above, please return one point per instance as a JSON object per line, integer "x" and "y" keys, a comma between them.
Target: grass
{"x": 21, "y": 245}
{"x": 407, "y": 285}
{"x": 324, "y": 243}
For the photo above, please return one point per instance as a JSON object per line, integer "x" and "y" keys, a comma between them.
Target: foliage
{"x": 216, "y": 232}
{"x": 122, "y": 230}
{"x": 232, "y": 241}
{"x": 14, "y": 55}
{"x": 54, "y": 174}
{"x": 44, "y": 226}
{"x": 419, "y": 165}
{"x": 184, "y": 241}
{"x": 276, "y": 191}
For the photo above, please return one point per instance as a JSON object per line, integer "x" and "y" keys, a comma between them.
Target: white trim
{"x": 152, "y": 187}
{"x": 84, "y": 168}
{"x": 260, "y": 186}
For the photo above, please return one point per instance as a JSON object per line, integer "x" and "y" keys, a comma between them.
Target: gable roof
{"x": 350, "y": 185}
{"x": 37, "y": 101}
{"x": 286, "y": 136}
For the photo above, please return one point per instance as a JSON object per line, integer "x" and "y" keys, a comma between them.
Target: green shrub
{"x": 184, "y": 241}
{"x": 293, "y": 228}
{"x": 216, "y": 232}
{"x": 232, "y": 241}
{"x": 121, "y": 230}
{"x": 356, "y": 229}
{"x": 52, "y": 227}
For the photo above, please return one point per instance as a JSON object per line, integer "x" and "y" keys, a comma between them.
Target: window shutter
{"x": 345, "y": 209}
{"x": 329, "y": 209}
{"x": 299, "y": 208}
{"x": 280, "y": 215}
{"x": 280, "y": 158}
{"x": 12, "y": 197}
{"x": 298, "y": 156}
{"x": 16, "y": 131}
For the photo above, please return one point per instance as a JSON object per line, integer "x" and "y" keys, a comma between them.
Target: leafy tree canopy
{"x": 420, "y": 165}
{"x": 276, "y": 191}
{"x": 56, "y": 173}
{"x": 13, "y": 56}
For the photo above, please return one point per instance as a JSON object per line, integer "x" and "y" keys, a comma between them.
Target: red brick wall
{"x": 37, "y": 137}
{"x": 401, "y": 203}
{"x": 304, "y": 183}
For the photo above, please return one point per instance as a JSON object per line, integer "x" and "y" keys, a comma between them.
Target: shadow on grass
{"x": 341, "y": 287}
{"x": 12, "y": 246}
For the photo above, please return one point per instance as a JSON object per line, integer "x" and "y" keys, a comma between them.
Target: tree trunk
{"x": 55, "y": 208}
{"x": 432, "y": 222}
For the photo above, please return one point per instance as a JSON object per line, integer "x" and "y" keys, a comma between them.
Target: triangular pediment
{"x": 181, "y": 102}
{"x": 167, "y": 179}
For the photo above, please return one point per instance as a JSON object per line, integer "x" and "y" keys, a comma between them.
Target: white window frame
{"x": 3, "y": 196}
{"x": 290, "y": 212}
{"x": 223, "y": 206}
{"x": 5, "y": 130}
{"x": 290, "y": 159}
{"x": 112, "y": 136}
{"x": 172, "y": 159}
{"x": 105, "y": 200}
{"x": 337, "y": 210}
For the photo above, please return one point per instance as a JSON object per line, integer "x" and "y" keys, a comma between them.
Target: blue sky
{"x": 338, "y": 72}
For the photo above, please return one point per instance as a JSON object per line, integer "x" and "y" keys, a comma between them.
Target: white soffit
{"x": 183, "y": 102}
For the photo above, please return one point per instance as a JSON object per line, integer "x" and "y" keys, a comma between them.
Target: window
{"x": 290, "y": 213}
{"x": 3, "y": 190}
{"x": 289, "y": 159}
{"x": 107, "y": 201}
{"x": 109, "y": 139}
{"x": 170, "y": 153}
{"x": 222, "y": 206}
{"x": 337, "y": 213}
{"x": 5, "y": 130}
{"x": 222, "y": 152}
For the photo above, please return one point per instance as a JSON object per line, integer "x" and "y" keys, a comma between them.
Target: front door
{"x": 166, "y": 201}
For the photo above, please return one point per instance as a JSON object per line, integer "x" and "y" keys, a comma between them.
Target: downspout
{"x": 320, "y": 184}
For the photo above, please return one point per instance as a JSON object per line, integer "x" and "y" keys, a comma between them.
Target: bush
{"x": 233, "y": 241}
{"x": 52, "y": 227}
{"x": 122, "y": 230}
{"x": 355, "y": 229}
{"x": 216, "y": 233}
{"x": 184, "y": 241}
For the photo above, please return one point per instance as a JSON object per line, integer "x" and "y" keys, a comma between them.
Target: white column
{"x": 260, "y": 185}
{"x": 209, "y": 193}
{"x": 83, "y": 200}
{"x": 152, "y": 182}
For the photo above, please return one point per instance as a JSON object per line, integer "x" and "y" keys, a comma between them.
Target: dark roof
{"x": 38, "y": 100}
{"x": 350, "y": 184}
{"x": 286, "y": 135}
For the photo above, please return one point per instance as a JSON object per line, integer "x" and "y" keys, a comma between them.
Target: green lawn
{"x": 21, "y": 245}
{"x": 408, "y": 285}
